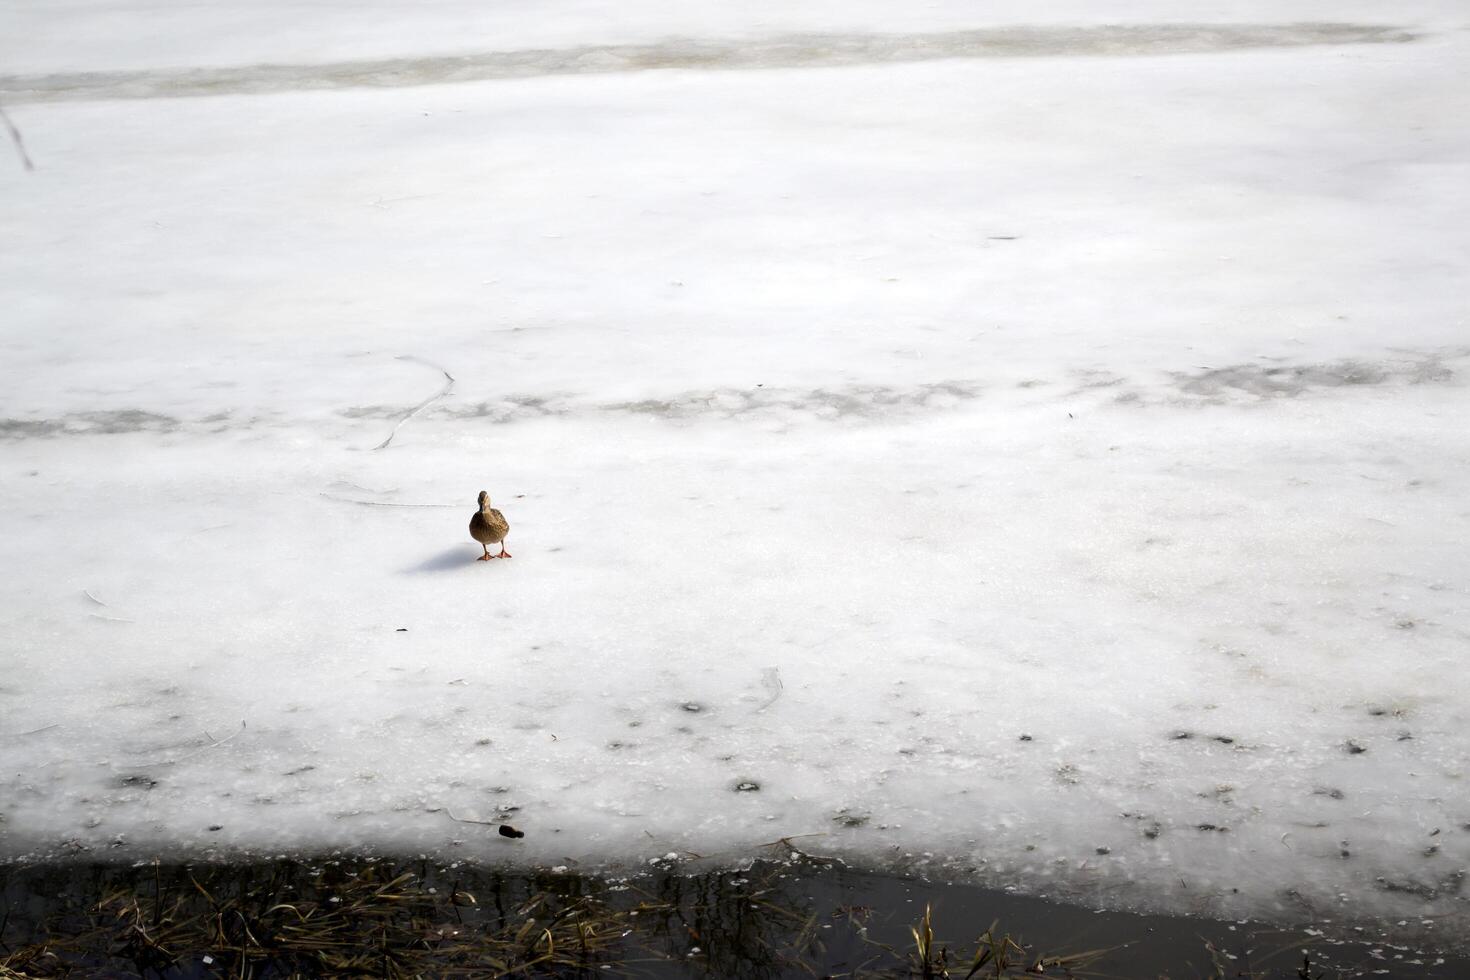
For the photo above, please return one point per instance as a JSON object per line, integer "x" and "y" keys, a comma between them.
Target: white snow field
{"x": 1020, "y": 444}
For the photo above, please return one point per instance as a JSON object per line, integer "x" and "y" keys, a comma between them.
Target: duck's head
{"x": 484, "y": 499}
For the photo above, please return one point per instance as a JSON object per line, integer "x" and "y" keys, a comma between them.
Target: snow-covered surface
{"x": 1050, "y": 467}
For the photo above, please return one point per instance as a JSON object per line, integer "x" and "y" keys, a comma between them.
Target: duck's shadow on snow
{"x": 446, "y": 561}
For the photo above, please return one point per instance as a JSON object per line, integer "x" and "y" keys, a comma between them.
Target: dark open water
{"x": 802, "y": 918}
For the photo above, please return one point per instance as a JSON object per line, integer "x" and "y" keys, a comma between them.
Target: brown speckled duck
{"x": 488, "y": 527}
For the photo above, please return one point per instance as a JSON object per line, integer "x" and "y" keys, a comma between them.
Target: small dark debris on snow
{"x": 506, "y": 830}
{"x": 1223, "y": 739}
{"x": 401, "y": 629}
{"x": 1104, "y": 850}
{"x": 1214, "y": 827}
{"x": 1353, "y": 748}
{"x": 1406, "y": 887}
{"x": 1181, "y": 735}
{"x": 298, "y": 771}
{"x": 747, "y": 786}
{"x": 693, "y": 707}
{"x": 147, "y": 782}
{"x": 214, "y": 826}
{"x": 1026, "y": 738}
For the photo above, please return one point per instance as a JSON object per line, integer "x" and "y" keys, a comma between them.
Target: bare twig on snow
{"x": 20, "y": 146}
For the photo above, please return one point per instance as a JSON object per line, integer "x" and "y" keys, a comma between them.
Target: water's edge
{"x": 794, "y": 917}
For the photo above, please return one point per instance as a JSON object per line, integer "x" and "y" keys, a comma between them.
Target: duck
{"x": 488, "y": 527}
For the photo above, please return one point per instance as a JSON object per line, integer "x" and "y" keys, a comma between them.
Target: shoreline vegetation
{"x": 799, "y": 917}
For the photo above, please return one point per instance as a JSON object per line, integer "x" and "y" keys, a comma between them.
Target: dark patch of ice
{"x": 1290, "y": 381}
{"x": 88, "y": 423}
{"x": 817, "y": 50}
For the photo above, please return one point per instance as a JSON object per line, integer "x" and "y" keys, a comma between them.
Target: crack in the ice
{"x": 448, "y": 387}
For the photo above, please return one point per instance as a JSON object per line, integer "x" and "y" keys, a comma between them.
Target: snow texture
{"x": 1024, "y": 444}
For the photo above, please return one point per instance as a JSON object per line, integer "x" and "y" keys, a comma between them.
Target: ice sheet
{"x": 1046, "y": 469}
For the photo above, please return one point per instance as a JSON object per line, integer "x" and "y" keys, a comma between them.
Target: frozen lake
{"x": 1026, "y": 449}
